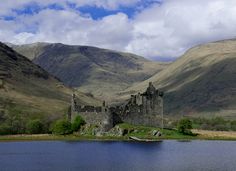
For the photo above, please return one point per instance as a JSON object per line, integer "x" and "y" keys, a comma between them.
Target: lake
{"x": 117, "y": 156}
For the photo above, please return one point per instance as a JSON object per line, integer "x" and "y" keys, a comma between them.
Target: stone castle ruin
{"x": 141, "y": 109}
{"x": 95, "y": 115}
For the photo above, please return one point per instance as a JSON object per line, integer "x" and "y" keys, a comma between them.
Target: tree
{"x": 78, "y": 122}
{"x": 184, "y": 126}
{"x": 61, "y": 127}
{"x": 34, "y": 127}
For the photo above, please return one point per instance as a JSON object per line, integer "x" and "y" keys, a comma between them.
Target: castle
{"x": 141, "y": 109}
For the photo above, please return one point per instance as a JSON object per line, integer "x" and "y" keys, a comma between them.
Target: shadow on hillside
{"x": 214, "y": 89}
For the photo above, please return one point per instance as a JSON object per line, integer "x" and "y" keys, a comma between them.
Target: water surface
{"x": 117, "y": 156}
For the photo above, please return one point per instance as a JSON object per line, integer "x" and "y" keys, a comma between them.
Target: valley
{"x": 100, "y": 72}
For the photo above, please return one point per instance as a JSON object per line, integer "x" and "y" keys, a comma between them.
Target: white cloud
{"x": 165, "y": 30}
{"x": 173, "y": 27}
{"x": 71, "y": 28}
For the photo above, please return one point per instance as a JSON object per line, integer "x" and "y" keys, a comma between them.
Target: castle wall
{"x": 141, "y": 109}
{"x": 93, "y": 117}
{"x": 146, "y": 120}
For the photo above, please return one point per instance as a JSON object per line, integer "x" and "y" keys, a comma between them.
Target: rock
{"x": 124, "y": 132}
{"x": 99, "y": 134}
{"x": 158, "y": 134}
{"x": 154, "y": 132}
{"x": 117, "y": 131}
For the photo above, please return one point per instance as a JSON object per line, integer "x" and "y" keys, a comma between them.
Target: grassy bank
{"x": 51, "y": 137}
{"x": 142, "y": 132}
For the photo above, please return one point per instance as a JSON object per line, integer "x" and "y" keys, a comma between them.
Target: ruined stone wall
{"x": 95, "y": 115}
{"x": 141, "y": 109}
{"x": 146, "y": 120}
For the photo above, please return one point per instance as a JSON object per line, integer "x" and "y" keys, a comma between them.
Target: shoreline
{"x": 202, "y": 135}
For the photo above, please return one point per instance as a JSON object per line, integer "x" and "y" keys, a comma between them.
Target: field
{"x": 205, "y": 134}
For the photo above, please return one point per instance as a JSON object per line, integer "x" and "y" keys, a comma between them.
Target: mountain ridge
{"x": 90, "y": 69}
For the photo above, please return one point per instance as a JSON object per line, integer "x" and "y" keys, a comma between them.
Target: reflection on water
{"x": 118, "y": 156}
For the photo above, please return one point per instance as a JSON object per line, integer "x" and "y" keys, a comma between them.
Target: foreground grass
{"x": 51, "y": 137}
{"x": 146, "y": 132}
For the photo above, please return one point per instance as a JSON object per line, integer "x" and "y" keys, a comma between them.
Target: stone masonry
{"x": 141, "y": 109}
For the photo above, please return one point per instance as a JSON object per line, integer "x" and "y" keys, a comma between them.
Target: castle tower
{"x": 107, "y": 123}
{"x": 144, "y": 101}
{"x": 72, "y": 110}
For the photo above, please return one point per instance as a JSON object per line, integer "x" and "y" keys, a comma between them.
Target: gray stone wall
{"x": 96, "y": 115}
{"x": 141, "y": 109}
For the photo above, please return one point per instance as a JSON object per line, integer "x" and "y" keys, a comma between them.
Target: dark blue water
{"x": 118, "y": 156}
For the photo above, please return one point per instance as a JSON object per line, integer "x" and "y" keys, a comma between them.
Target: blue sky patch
{"x": 34, "y": 8}
{"x": 28, "y": 9}
{"x": 8, "y": 18}
{"x": 95, "y": 12}
{"x": 100, "y": 12}
{"x": 55, "y": 7}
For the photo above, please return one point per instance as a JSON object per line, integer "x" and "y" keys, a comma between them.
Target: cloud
{"x": 173, "y": 27}
{"x": 70, "y": 28}
{"x": 164, "y": 29}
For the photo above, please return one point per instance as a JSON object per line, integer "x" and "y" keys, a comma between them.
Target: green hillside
{"x": 201, "y": 82}
{"x": 27, "y": 91}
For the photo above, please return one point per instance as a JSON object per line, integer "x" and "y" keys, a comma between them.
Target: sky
{"x": 155, "y": 29}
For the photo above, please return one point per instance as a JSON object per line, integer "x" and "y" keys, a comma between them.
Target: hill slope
{"x": 98, "y": 71}
{"x": 202, "y": 81}
{"x": 30, "y": 91}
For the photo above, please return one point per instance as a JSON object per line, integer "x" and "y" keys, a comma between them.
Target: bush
{"x": 34, "y": 127}
{"x": 78, "y": 122}
{"x": 216, "y": 124}
{"x": 17, "y": 126}
{"x": 61, "y": 127}
{"x": 184, "y": 126}
{"x": 5, "y": 129}
{"x": 233, "y": 125}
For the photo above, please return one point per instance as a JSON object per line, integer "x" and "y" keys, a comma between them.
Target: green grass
{"x": 142, "y": 132}
{"x": 146, "y": 132}
{"x": 50, "y": 137}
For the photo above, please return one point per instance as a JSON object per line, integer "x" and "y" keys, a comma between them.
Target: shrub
{"x": 233, "y": 125}
{"x": 206, "y": 127}
{"x": 61, "y": 127}
{"x": 17, "y": 126}
{"x": 78, "y": 122}
{"x": 222, "y": 127}
{"x": 5, "y": 129}
{"x": 34, "y": 127}
{"x": 217, "y": 124}
{"x": 184, "y": 126}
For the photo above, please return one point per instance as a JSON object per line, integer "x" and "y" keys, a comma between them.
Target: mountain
{"x": 29, "y": 91}
{"x": 201, "y": 82}
{"x": 93, "y": 70}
